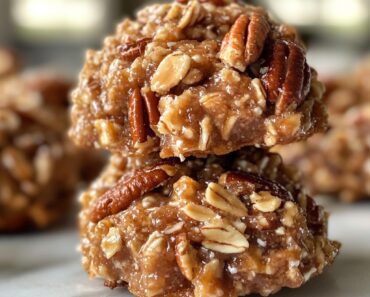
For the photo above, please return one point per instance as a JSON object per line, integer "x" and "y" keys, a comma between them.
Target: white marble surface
{"x": 47, "y": 264}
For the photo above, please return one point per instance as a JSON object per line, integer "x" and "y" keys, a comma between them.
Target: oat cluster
{"x": 188, "y": 205}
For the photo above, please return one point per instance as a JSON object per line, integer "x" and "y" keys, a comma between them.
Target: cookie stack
{"x": 338, "y": 162}
{"x": 40, "y": 168}
{"x": 188, "y": 98}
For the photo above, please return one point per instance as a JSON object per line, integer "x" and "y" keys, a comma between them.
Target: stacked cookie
{"x": 40, "y": 168}
{"x": 338, "y": 162}
{"x": 185, "y": 97}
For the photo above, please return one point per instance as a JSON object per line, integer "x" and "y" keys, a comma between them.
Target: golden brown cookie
{"x": 222, "y": 226}
{"x": 194, "y": 78}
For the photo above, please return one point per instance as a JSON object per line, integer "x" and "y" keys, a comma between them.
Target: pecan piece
{"x": 151, "y": 104}
{"x": 258, "y": 31}
{"x": 131, "y": 50}
{"x": 233, "y": 45}
{"x": 288, "y": 77}
{"x": 257, "y": 183}
{"x": 143, "y": 114}
{"x": 136, "y": 116}
{"x": 244, "y": 43}
{"x": 126, "y": 190}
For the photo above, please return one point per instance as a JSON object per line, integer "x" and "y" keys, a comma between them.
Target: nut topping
{"x": 223, "y": 238}
{"x": 170, "y": 72}
{"x": 151, "y": 104}
{"x": 222, "y": 199}
{"x": 288, "y": 78}
{"x": 131, "y": 50}
{"x": 258, "y": 31}
{"x": 138, "y": 126}
{"x": 245, "y": 41}
{"x": 143, "y": 114}
{"x": 126, "y": 190}
{"x": 186, "y": 257}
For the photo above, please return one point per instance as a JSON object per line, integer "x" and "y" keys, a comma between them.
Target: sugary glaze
{"x": 40, "y": 169}
{"x": 223, "y": 226}
{"x": 194, "y": 78}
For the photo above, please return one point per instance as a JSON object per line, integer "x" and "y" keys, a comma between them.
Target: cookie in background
{"x": 338, "y": 162}
{"x": 40, "y": 169}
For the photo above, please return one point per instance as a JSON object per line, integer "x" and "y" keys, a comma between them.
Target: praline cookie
{"x": 195, "y": 78}
{"x": 40, "y": 169}
{"x": 223, "y": 226}
{"x": 338, "y": 162}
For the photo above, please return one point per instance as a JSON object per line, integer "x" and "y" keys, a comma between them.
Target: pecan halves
{"x": 233, "y": 45}
{"x": 131, "y": 50}
{"x": 258, "y": 183}
{"x": 288, "y": 77}
{"x": 127, "y": 190}
{"x": 136, "y": 116}
{"x": 244, "y": 43}
{"x": 258, "y": 31}
{"x": 142, "y": 114}
{"x": 151, "y": 104}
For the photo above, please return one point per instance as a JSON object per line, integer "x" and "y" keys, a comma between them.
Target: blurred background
{"x": 56, "y": 32}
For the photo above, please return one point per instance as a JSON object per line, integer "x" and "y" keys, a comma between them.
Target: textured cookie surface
{"x": 194, "y": 78}
{"x": 40, "y": 168}
{"x": 225, "y": 226}
{"x": 338, "y": 162}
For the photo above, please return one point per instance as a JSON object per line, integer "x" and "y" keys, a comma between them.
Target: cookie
{"x": 197, "y": 78}
{"x": 338, "y": 162}
{"x": 222, "y": 226}
{"x": 40, "y": 169}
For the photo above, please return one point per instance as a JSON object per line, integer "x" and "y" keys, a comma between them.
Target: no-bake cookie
{"x": 338, "y": 162}
{"x": 222, "y": 226}
{"x": 194, "y": 78}
{"x": 40, "y": 169}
